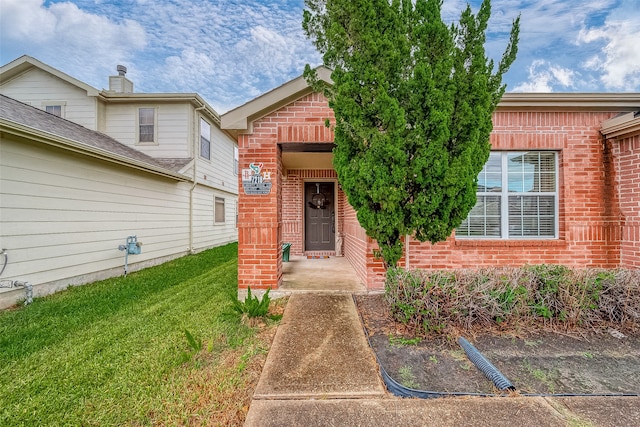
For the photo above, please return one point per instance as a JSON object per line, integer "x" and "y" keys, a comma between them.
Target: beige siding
{"x": 39, "y": 88}
{"x": 172, "y": 122}
{"x": 206, "y": 230}
{"x": 217, "y": 179}
{"x": 219, "y": 170}
{"x": 63, "y": 215}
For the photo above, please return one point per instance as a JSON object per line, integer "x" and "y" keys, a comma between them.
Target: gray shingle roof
{"x": 17, "y": 112}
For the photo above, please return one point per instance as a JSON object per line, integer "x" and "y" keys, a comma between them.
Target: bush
{"x": 535, "y": 295}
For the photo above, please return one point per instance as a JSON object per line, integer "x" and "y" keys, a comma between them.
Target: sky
{"x": 231, "y": 51}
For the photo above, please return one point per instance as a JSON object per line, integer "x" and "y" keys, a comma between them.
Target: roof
{"x": 26, "y": 62}
{"x": 29, "y": 122}
{"x": 241, "y": 118}
{"x": 623, "y": 125}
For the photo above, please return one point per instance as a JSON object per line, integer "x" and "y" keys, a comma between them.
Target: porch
{"x": 330, "y": 274}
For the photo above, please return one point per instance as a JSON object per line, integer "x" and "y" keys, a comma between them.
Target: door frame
{"x": 304, "y": 216}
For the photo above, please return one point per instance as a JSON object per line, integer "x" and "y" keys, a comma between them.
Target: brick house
{"x": 562, "y": 185}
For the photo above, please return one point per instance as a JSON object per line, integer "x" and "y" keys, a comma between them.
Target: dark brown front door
{"x": 319, "y": 216}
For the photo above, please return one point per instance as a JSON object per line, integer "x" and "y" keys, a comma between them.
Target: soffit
{"x": 301, "y": 160}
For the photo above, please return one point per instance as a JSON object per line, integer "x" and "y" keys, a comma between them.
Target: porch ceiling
{"x": 300, "y": 160}
{"x": 316, "y": 155}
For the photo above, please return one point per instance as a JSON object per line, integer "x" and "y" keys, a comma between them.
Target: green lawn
{"x": 115, "y": 353}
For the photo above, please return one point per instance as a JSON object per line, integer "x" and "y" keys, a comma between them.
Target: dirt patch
{"x": 544, "y": 362}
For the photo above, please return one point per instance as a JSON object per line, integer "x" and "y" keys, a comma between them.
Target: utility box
{"x": 133, "y": 246}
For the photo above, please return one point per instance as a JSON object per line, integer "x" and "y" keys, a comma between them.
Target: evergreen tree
{"x": 413, "y": 100}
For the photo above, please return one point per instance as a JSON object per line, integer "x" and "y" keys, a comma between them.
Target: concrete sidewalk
{"x": 320, "y": 371}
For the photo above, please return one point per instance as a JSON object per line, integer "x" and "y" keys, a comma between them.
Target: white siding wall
{"x": 217, "y": 179}
{"x": 63, "y": 216}
{"x": 219, "y": 170}
{"x": 37, "y": 88}
{"x": 205, "y": 230}
{"x": 173, "y": 128}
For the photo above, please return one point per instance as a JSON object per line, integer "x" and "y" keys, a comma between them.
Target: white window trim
{"x": 202, "y": 119}
{"x": 504, "y": 201}
{"x": 215, "y": 210}
{"x": 61, "y": 104}
{"x": 155, "y": 125}
{"x": 236, "y": 160}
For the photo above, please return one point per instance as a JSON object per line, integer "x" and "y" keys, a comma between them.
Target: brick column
{"x": 259, "y": 215}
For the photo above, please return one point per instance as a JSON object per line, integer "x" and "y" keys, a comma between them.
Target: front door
{"x": 319, "y": 208}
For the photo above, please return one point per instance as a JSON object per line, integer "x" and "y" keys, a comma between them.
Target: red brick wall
{"x": 293, "y": 204}
{"x": 355, "y": 242}
{"x": 259, "y": 216}
{"x": 588, "y": 227}
{"x": 627, "y": 154}
{"x": 265, "y": 221}
{"x": 593, "y": 218}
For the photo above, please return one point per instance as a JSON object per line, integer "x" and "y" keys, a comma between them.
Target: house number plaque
{"x": 255, "y": 181}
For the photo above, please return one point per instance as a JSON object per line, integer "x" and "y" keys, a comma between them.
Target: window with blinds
{"x": 146, "y": 124}
{"x": 205, "y": 139}
{"x": 517, "y": 197}
{"x": 218, "y": 210}
{"x": 56, "y": 110}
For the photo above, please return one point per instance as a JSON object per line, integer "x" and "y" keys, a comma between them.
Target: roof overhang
{"x": 618, "y": 102}
{"x": 21, "y": 131}
{"x": 623, "y": 125}
{"x": 25, "y": 63}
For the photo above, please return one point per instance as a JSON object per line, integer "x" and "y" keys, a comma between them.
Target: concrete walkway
{"x": 320, "y": 371}
{"x": 320, "y": 352}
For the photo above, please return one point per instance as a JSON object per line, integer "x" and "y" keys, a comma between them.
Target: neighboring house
{"x": 83, "y": 169}
{"x": 562, "y": 185}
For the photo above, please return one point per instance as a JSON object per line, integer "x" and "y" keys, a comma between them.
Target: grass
{"x": 407, "y": 378}
{"x": 115, "y": 352}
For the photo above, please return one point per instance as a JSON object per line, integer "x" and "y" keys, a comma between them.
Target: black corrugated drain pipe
{"x": 487, "y": 368}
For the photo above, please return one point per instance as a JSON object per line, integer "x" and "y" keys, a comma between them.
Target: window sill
{"x": 510, "y": 243}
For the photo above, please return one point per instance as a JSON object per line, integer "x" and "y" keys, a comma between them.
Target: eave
{"x": 622, "y": 126}
{"x": 619, "y": 102}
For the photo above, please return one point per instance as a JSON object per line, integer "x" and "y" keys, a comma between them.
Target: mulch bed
{"x": 597, "y": 362}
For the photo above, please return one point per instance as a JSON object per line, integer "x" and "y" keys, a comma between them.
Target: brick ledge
{"x": 511, "y": 243}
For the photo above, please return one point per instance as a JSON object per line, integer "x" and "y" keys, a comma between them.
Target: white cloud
{"x": 544, "y": 77}
{"x": 619, "y": 59}
{"x": 86, "y": 44}
{"x": 26, "y": 19}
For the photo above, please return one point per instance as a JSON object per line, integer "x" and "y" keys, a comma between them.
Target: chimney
{"x": 119, "y": 83}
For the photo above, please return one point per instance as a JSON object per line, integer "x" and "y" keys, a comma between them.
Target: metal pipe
{"x": 28, "y": 289}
